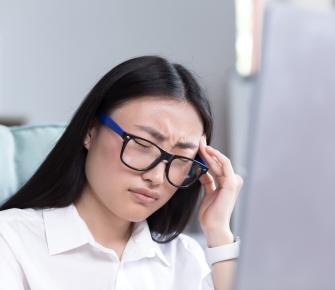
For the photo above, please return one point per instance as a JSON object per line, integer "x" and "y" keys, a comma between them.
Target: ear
{"x": 89, "y": 138}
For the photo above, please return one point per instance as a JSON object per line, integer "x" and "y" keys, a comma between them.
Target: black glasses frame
{"x": 164, "y": 156}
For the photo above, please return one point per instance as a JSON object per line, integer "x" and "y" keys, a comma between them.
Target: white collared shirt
{"x": 53, "y": 249}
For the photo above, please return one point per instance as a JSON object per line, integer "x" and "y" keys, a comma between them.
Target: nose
{"x": 156, "y": 175}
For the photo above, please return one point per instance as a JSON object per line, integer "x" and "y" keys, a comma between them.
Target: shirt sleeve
{"x": 198, "y": 264}
{"x": 207, "y": 282}
{"x": 11, "y": 276}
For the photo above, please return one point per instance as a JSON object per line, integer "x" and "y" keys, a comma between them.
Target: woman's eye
{"x": 142, "y": 143}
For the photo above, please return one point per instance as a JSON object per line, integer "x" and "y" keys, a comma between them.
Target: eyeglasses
{"x": 142, "y": 155}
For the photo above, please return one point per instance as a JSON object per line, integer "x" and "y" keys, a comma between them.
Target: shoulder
{"x": 16, "y": 219}
{"x": 187, "y": 258}
{"x": 189, "y": 246}
{"x": 17, "y": 214}
{"x": 185, "y": 249}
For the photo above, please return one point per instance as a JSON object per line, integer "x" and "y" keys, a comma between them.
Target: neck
{"x": 107, "y": 229}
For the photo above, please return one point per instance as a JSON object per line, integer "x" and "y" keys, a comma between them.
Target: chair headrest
{"x": 22, "y": 150}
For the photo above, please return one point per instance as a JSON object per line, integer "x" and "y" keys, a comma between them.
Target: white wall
{"x": 52, "y": 52}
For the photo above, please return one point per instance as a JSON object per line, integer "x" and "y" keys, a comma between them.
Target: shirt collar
{"x": 66, "y": 230}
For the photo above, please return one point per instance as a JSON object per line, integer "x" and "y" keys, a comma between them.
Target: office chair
{"x": 22, "y": 150}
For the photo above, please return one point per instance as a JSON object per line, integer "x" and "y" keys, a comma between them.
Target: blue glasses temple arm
{"x": 199, "y": 159}
{"x": 108, "y": 121}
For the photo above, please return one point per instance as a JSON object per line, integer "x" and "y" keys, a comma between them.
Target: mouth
{"x": 144, "y": 195}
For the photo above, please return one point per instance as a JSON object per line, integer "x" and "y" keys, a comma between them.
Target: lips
{"x": 145, "y": 192}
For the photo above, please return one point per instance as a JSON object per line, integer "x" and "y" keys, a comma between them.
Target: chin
{"x": 134, "y": 216}
{"x": 139, "y": 217}
{"x": 136, "y": 212}
{"x": 137, "y": 220}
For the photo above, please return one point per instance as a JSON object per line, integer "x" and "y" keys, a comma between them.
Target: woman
{"x": 107, "y": 207}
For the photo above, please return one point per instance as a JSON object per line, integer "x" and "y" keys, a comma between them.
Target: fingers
{"x": 239, "y": 181}
{"x": 208, "y": 182}
{"x": 219, "y": 165}
{"x": 220, "y": 168}
{"x": 226, "y": 169}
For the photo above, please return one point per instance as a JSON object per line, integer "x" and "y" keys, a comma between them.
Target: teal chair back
{"x": 22, "y": 150}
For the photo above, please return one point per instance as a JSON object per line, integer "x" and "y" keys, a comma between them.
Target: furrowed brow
{"x": 160, "y": 137}
{"x": 186, "y": 145}
{"x": 154, "y": 133}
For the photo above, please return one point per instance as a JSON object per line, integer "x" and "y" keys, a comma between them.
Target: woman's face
{"x": 122, "y": 190}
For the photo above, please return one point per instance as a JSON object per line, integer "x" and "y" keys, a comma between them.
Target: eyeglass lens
{"x": 140, "y": 154}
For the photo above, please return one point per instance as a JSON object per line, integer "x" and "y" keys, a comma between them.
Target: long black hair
{"x": 60, "y": 179}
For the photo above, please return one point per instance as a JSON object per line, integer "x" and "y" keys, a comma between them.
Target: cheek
{"x": 102, "y": 164}
{"x": 109, "y": 180}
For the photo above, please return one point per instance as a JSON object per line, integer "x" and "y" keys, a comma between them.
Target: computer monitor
{"x": 288, "y": 207}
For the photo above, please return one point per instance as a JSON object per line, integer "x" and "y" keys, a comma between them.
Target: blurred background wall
{"x": 53, "y": 52}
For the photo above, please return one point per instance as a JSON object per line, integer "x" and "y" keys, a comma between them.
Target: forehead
{"x": 175, "y": 119}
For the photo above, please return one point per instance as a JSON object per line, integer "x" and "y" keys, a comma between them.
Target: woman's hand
{"x": 221, "y": 186}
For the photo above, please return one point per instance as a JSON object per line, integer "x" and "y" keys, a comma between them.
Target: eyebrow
{"x": 160, "y": 137}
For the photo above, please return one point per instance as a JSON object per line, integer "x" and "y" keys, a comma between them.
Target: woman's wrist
{"x": 223, "y": 252}
{"x": 219, "y": 238}
{"x": 221, "y": 246}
